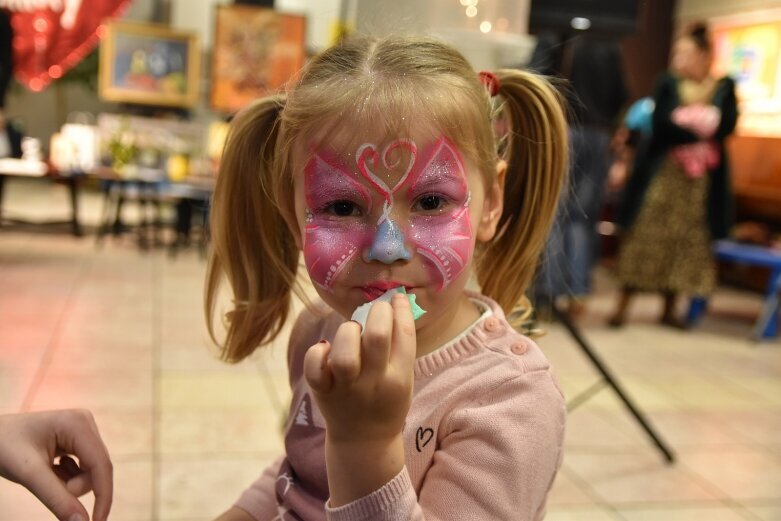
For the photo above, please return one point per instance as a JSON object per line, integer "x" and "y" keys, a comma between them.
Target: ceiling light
{"x": 580, "y": 23}
{"x": 471, "y": 11}
{"x": 485, "y": 27}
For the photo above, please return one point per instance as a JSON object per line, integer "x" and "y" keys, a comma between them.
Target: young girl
{"x": 382, "y": 167}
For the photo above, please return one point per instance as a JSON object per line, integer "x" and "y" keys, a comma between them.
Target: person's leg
{"x": 622, "y": 307}
{"x": 669, "y": 316}
{"x": 589, "y": 171}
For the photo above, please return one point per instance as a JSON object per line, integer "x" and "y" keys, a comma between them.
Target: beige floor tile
{"x": 203, "y": 391}
{"x": 647, "y": 397}
{"x": 22, "y": 344}
{"x": 133, "y": 491}
{"x": 238, "y": 431}
{"x": 581, "y": 514}
{"x": 20, "y": 505}
{"x": 683, "y": 513}
{"x": 202, "y": 488}
{"x": 703, "y": 393}
{"x": 739, "y": 474}
{"x": 132, "y": 496}
{"x": 73, "y": 356}
{"x": 761, "y": 427}
{"x": 636, "y": 477}
{"x": 568, "y": 491}
{"x": 91, "y": 391}
{"x": 127, "y": 433}
{"x": 680, "y": 430}
{"x": 195, "y": 357}
{"x": 15, "y": 383}
{"x": 590, "y": 429}
{"x": 765, "y": 512}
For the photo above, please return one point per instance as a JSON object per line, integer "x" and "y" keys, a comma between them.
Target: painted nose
{"x": 388, "y": 244}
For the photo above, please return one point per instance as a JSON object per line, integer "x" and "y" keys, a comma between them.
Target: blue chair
{"x": 751, "y": 255}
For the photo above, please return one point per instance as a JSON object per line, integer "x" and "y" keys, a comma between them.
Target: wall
{"x": 506, "y": 45}
{"x": 41, "y": 114}
{"x": 755, "y": 160}
{"x": 707, "y": 9}
{"x": 646, "y": 53}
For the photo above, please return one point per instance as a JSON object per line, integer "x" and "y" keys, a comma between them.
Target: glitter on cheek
{"x": 326, "y": 180}
{"x": 330, "y": 249}
{"x": 445, "y": 242}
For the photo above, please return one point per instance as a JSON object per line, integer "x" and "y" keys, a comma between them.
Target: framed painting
{"x": 257, "y": 50}
{"x": 748, "y": 48}
{"x": 149, "y": 64}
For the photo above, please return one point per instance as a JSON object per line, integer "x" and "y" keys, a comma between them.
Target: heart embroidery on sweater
{"x": 423, "y": 437}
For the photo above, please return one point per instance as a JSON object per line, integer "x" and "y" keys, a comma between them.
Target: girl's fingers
{"x": 404, "y": 343}
{"x": 344, "y": 360}
{"x": 376, "y": 340}
{"x": 316, "y": 369}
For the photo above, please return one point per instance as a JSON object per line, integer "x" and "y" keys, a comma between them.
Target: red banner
{"x": 52, "y": 36}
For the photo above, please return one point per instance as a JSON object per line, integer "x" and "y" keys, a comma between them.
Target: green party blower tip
{"x": 361, "y": 313}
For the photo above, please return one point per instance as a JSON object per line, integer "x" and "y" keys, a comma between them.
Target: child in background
{"x": 382, "y": 167}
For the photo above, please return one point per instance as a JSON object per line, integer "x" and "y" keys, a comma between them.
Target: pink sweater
{"x": 483, "y": 436}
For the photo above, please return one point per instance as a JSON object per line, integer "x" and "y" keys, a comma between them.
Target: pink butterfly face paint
{"x": 443, "y": 238}
{"x": 333, "y": 234}
{"x": 358, "y": 216}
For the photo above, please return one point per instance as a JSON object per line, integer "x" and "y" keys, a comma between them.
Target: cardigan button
{"x": 491, "y": 324}
{"x": 519, "y": 348}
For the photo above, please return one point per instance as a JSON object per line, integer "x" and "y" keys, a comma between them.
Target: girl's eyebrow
{"x": 429, "y": 181}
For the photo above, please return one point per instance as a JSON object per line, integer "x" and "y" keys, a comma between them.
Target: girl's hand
{"x": 363, "y": 383}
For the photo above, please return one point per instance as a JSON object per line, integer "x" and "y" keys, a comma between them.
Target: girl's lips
{"x": 376, "y": 289}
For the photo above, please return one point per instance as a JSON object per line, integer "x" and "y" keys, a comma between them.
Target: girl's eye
{"x": 431, "y": 203}
{"x": 343, "y": 209}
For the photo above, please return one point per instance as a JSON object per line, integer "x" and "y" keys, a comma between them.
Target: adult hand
{"x": 29, "y": 445}
{"x": 363, "y": 383}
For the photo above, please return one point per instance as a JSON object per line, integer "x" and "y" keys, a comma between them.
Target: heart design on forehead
{"x": 367, "y": 153}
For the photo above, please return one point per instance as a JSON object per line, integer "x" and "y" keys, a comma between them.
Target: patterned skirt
{"x": 668, "y": 248}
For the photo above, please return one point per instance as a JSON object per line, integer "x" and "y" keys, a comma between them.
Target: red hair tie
{"x": 490, "y": 81}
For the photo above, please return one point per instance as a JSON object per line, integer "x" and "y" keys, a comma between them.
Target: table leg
{"x": 73, "y": 186}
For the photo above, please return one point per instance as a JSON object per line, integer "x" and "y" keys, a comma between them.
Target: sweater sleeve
{"x": 498, "y": 461}
{"x": 259, "y": 500}
{"x": 665, "y": 101}
{"x": 728, "y": 105}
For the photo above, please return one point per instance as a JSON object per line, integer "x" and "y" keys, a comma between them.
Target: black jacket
{"x": 666, "y": 135}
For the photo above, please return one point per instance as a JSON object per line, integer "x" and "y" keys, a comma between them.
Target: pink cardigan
{"x": 483, "y": 437}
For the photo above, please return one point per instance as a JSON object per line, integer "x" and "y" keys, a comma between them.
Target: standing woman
{"x": 678, "y": 198}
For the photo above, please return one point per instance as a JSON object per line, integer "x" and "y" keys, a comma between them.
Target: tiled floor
{"x": 121, "y": 331}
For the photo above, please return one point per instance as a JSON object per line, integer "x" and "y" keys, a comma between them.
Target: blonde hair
{"x": 377, "y": 82}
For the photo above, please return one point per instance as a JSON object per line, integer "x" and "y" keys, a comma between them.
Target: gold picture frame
{"x": 257, "y": 51}
{"x": 149, "y": 64}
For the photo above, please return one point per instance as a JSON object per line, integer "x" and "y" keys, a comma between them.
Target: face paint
{"x": 388, "y": 243}
{"x": 445, "y": 240}
{"x": 442, "y": 237}
{"x": 331, "y": 242}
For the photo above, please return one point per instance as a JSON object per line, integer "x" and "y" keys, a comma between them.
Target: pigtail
{"x": 252, "y": 245}
{"x": 536, "y": 150}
